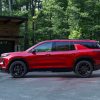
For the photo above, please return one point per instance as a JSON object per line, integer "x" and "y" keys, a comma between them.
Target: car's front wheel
{"x": 18, "y": 69}
{"x": 84, "y": 69}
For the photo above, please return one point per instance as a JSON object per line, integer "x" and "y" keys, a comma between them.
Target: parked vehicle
{"x": 80, "y": 56}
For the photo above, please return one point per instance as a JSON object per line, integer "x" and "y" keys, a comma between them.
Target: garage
{"x": 7, "y": 46}
{"x": 9, "y": 33}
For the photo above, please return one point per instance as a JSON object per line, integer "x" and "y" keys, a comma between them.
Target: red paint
{"x": 80, "y": 47}
{"x": 54, "y": 59}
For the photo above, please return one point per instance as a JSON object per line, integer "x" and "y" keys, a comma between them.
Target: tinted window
{"x": 92, "y": 45}
{"x": 98, "y": 45}
{"x": 72, "y": 47}
{"x": 61, "y": 46}
{"x": 45, "y": 47}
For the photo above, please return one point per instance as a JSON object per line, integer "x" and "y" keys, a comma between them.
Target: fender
{"x": 88, "y": 58}
{"x": 14, "y": 59}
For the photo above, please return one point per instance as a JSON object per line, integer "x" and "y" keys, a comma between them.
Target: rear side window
{"x": 92, "y": 45}
{"x": 61, "y": 46}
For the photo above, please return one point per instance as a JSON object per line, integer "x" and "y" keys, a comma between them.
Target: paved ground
{"x": 50, "y": 86}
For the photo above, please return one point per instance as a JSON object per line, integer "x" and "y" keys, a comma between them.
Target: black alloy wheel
{"x": 84, "y": 69}
{"x": 18, "y": 69}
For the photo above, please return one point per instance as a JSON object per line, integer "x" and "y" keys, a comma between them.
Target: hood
{"x": 13, "y": 53}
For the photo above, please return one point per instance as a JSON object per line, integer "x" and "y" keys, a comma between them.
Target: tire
{"x": 83, "y": 69}
{"x": 18, "y": 69}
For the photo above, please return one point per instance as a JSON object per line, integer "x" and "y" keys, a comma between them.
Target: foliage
{"x": 84, "y": 18}
{"x": 53, "y": 19}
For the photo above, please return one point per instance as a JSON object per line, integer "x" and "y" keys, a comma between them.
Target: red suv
{"x": 80, "y": 56}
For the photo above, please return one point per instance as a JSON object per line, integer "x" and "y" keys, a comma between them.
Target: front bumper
{"x": 3, "y": 64}
{"x": 3, "y": 69}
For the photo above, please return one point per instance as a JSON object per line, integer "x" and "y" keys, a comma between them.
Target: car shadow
{"x": 49, "y": 75}
{"x": 57, "y": 75}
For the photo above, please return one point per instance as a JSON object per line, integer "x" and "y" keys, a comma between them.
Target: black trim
{"x": 96, "y": 67}
{"x": 51, "y": 69}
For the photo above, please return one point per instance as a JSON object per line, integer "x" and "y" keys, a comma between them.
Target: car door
{"x": 42, "y": 58}
{"x": 62, "y": 54}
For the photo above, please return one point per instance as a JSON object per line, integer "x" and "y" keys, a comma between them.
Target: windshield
{"x": 28, "y": 50}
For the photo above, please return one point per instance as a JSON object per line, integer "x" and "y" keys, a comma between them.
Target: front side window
{"x": 61, "y": 46}
{"x": 45, "y": 47}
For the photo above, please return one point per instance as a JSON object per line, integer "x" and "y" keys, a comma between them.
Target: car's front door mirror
{"x": 34, "y": 52}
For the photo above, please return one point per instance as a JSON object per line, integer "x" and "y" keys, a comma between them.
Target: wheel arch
{"x": 87, "y": 58}
{"x": 17, "y": 59}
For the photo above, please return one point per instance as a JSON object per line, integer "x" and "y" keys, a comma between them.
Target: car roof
{"x": 71, "y": 40}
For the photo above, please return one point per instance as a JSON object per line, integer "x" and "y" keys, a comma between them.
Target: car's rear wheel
{"x": 18, "y": 69}
{"x": 84, "y": 69}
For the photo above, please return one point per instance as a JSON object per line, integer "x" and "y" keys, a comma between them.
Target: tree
{"x": 84, "y": 18}
{"x": 73, "y": 19}
{"x": 52, "y": 19}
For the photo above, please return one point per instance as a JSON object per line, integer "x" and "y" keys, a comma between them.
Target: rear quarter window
{"x": 92, "y": 45}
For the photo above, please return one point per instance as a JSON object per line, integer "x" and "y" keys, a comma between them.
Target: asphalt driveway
{"x": 50, "y": 86}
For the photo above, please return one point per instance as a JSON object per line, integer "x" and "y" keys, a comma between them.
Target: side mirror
{"x": 34, "y": 52}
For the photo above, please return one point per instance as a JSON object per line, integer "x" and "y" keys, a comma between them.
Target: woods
{"x": 56, "y": 19}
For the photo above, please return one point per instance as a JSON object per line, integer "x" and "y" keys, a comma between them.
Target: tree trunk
{"x": 33, "y": 4}
{"x": 26, "y": 37}
{"x": 10, "y": 6}
{"x": 0, "y": 7}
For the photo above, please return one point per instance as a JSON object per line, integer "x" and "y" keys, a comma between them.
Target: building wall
{"x": 8, "y": 32}
{"x": 9, "y": 29}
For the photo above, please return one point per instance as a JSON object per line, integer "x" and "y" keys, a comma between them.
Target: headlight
{"x": 5, "y": 54}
